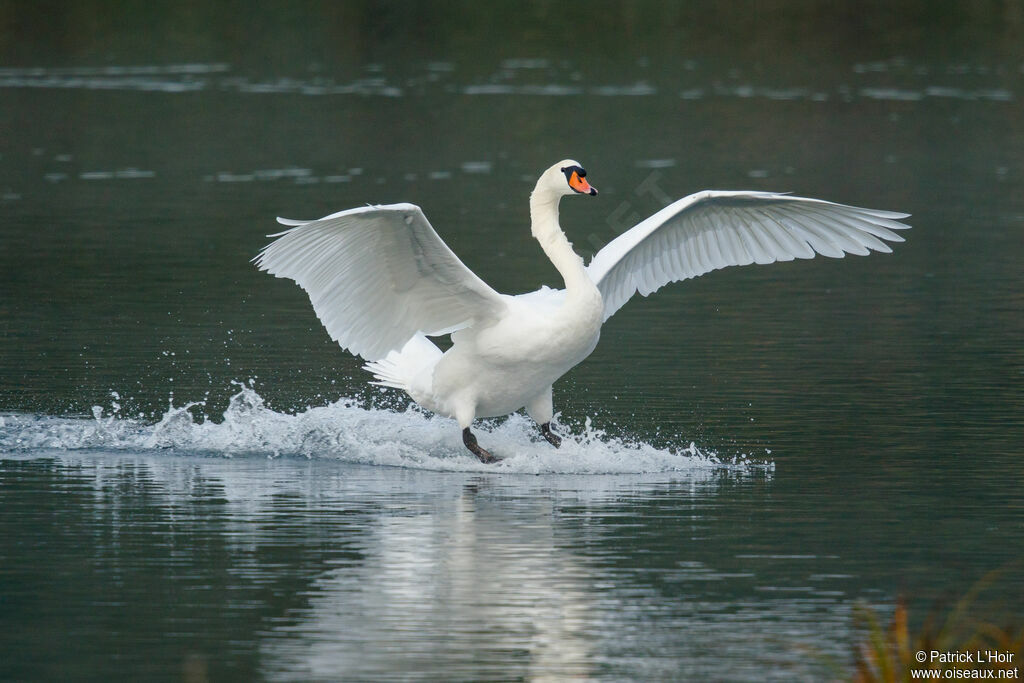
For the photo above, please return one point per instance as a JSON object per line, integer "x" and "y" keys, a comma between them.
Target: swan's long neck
{"x": 544, "y": 225}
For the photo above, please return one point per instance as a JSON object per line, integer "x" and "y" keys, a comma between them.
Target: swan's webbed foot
{"x": 554, "y": 439}
{"x": 469, "y": 439}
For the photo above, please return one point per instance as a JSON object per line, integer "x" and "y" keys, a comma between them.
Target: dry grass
{"x": 889, "y": 654}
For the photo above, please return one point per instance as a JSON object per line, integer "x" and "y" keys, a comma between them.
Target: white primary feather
{"x": 715, "y": 229}
{"x": 379, "y": 275}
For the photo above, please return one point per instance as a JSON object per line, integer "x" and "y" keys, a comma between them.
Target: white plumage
{"x": 711, "y": 230}
{"x": 382, "y": 281}
{"x": 377, "y": 275}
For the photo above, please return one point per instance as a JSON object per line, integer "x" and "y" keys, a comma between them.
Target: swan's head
{"x": 565, "y": 178}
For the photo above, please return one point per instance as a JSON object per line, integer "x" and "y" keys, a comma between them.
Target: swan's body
{"x": 382, "y": 282}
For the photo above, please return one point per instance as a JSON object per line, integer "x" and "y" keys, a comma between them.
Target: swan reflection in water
{"x": 465, "y": 588}
{"x": 321, "y": 570}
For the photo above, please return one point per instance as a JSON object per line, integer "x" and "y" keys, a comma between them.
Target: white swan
{"x": 382, "y": 282}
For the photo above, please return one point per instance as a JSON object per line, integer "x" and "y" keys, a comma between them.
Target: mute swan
{"x": 382, "y": 282}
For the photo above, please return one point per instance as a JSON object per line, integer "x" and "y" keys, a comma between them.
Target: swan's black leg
{"x": 469, "y": 439}
{"x": 554, "y": 439}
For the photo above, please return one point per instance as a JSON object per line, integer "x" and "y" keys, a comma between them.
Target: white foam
{"x": 349, "y": 431}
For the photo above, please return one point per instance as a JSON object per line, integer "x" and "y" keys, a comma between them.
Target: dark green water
{"x": 186, "y": 490}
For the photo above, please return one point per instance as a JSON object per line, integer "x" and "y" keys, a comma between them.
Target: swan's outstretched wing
{"x": 713, "y": 229}
{"x": 377, "y": 275}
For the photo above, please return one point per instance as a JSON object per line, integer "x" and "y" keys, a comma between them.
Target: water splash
{"x": 349, "y": 431}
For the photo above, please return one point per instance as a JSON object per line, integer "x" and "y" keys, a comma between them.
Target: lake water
{"x": 196, "y": 483}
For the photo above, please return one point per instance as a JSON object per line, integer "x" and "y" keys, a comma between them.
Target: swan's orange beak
{"x": 581, "y": 185}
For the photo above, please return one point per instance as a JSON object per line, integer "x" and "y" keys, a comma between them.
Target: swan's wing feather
{"x": 379, "y": 275}
{"x": 715, "y": 229}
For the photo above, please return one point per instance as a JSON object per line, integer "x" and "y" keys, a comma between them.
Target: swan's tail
{"x": 404, "y": 369}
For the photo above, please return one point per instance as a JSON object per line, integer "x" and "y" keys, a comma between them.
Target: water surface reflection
{"x": 324, "y": 569}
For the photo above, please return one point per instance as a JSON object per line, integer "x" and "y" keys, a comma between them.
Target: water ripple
{"x": 545, "y": 80}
